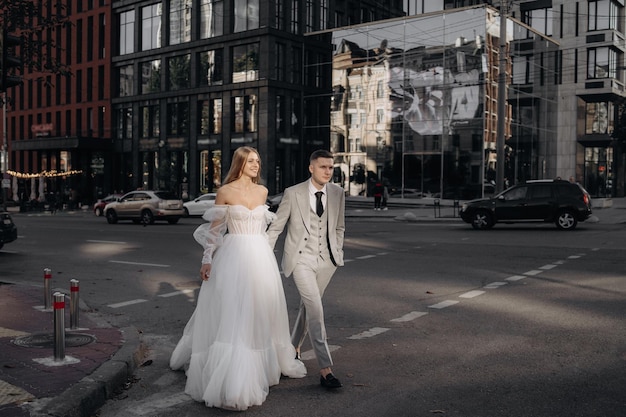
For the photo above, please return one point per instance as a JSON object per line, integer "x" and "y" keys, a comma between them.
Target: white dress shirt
{"x": 313, "y": 199}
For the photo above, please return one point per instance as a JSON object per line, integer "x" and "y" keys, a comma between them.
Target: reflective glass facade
{"x": 414, "y": 103}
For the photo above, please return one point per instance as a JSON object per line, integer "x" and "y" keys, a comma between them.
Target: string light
{"x": 47, "y": 174}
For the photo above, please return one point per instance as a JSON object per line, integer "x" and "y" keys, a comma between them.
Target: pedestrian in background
{"x": 385, "y": 196}
{"x": 378, "y": 195}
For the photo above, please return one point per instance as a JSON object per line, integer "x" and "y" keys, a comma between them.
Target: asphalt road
{"x": 425, "y": 319}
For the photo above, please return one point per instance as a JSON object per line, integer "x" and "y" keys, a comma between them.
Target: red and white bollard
{"x": 74, "y": 304}
{"x": 59, "y": 326}
{"x": 47, "y": 295}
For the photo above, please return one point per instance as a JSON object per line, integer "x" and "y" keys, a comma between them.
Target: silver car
{"x": 145, "y": 207}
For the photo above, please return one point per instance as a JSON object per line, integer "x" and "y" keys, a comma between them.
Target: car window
{"x": 128, "y": 197}
{"x": 568, "y": 189}
{"x": 541, "y": 191}
{"x": 166, "y": 195}
{"x": 518, "y": 193}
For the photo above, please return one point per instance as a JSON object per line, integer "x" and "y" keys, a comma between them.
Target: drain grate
{"x": 46, "y": 340}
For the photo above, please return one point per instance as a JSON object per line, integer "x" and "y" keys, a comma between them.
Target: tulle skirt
{"x": 236, "y": 344}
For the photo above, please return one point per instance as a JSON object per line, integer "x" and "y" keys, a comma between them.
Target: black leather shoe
{"x": 330, "y": 382}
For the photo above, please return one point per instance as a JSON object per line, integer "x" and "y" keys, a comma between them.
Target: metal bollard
{"x": 74, "y": 308}
{"x": 47, "y": 295}
{"x": 59, "y": 326}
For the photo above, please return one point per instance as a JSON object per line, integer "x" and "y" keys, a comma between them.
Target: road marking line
{"x": 573, "y": 257}
{"x": 366, "y": 256}
{"x": 533, "y": 272}
{"x": 494, "y": 285}
{"x": 515, "y": 277}
{"x": 410, "y": 316}
{"x": 472, "y": 294}
{"x": 140, "y": 264}
{"x": 127, "y": 303}
{"x": 171, "y": 294}
{"x": 559, "y": 262}
{"x": 369, "y": 333}
{"x": 382, "y": 254}
{"x": 547, "y": 267}
{"x": 106, "y": 241}
{"x": 348, "y": 260}
{"x": 444, "y": 304}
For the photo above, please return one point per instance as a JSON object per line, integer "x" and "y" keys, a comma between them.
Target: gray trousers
{"x": 311, "y": 283}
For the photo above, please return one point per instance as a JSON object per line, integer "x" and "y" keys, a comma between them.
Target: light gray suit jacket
{"x": 294, "y": 211}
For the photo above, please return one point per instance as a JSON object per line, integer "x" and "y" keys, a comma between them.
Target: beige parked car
{"x": 145, "y": 207}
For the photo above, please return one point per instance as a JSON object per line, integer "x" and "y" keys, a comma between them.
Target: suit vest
{"x": 317, "y": 242}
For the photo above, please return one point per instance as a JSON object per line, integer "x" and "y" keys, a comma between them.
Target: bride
{"x": 236, "y": 343}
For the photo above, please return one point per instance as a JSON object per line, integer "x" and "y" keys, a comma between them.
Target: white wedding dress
{"x": 237, "y": 343}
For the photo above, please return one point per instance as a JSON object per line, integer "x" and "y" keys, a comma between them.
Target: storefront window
{"x": 598, "y": 172}
{"x": 210, "y": 171}
{"x": 150, "y": 121}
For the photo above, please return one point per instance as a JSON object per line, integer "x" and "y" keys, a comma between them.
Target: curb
{"x": 89, "y": 394}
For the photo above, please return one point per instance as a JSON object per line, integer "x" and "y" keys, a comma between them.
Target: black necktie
{"x": 319, "y": 207}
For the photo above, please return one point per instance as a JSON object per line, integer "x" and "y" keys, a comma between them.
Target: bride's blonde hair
{"x": 240, "y": 157}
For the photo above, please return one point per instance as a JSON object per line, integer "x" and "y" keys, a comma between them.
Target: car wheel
{"x": 566, "y": 220}
{"x": 482, "y": 220}
{"x": 147, "y": 217}
{"x": 111, "y": 217}
{"x": 98, "y": 212}
{"x": 173, "y": 221}
{"x": 186, "y": 212}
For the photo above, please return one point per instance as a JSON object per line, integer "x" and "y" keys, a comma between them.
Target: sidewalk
{"x": 103, "y": 358}
{"x": 98, "y": 358}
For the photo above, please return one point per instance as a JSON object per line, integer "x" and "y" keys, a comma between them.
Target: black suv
{"x": 8, "y": 230}
{"x": 558, "y": 201}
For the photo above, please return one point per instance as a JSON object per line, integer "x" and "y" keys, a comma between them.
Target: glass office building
{"x": 415, "y": 103}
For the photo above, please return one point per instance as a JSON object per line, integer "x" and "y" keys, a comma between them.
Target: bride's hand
{"x": 205, "y": 271}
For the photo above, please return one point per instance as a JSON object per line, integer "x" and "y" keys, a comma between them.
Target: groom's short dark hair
{"x": 320, "y": 153}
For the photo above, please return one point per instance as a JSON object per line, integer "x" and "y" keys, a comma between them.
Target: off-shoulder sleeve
{"x": 269, "y": 216}
{"x": 210, "y": 235}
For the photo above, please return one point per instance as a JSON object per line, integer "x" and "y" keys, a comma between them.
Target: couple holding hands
{"x": 237, "y": 342}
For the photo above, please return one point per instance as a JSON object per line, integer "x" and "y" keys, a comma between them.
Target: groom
{"x": 313, "y": 212}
